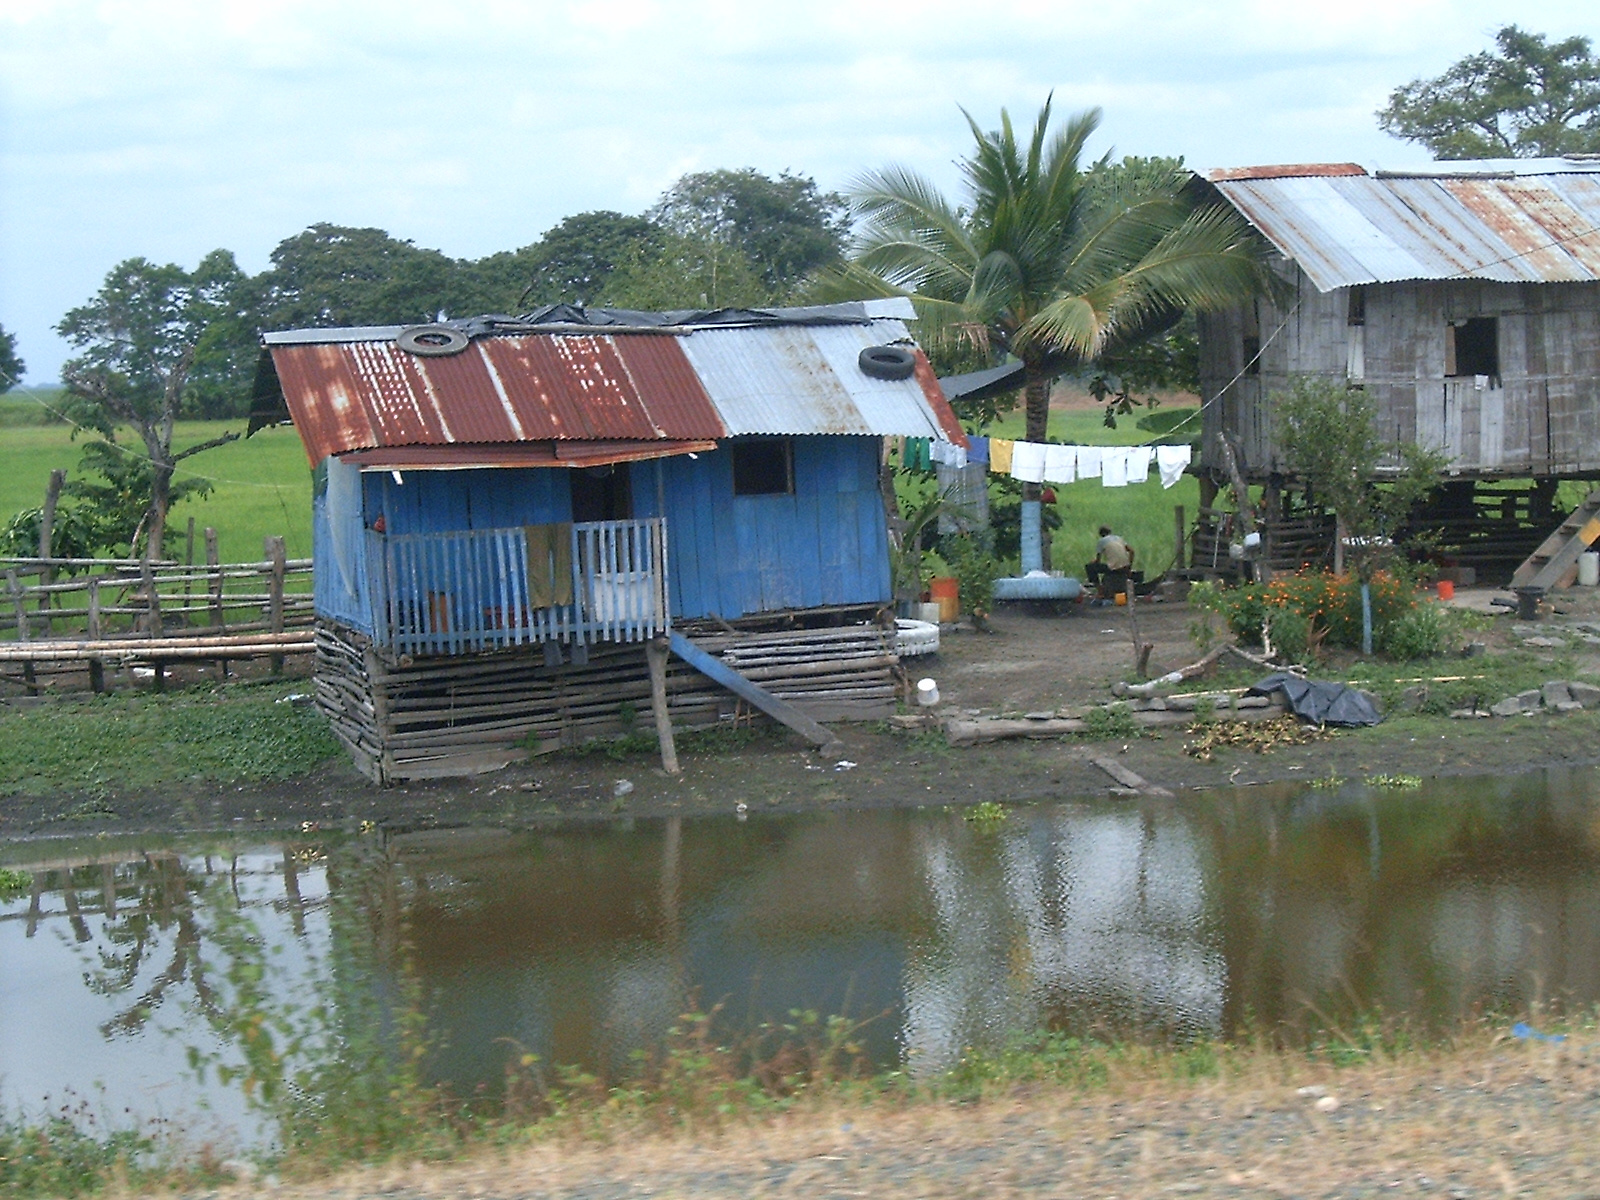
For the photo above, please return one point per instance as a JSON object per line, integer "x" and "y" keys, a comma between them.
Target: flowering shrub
{"x": 1310, "y": 608}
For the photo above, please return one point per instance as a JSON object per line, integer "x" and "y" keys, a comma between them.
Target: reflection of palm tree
{"x": 1042, "y": 262}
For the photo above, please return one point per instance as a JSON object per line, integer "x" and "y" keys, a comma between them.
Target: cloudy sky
{"x": 166, "y": 129}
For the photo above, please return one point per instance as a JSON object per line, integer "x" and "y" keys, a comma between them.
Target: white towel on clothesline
{"x": 1171, "y": 461}
{"x": 1139, "y": 463}
{"x": 1089, "y": 460}
{"x": 1027, "y": 462}
{"x": 1114, "y": 468}
{"x": 948, "y": 453}
{"x": 1060, "y": 464}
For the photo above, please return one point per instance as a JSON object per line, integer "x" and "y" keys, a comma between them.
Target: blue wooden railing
{"x": 447, "y": 593}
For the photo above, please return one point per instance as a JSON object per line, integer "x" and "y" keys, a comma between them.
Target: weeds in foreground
{"x": 985, "y": 816}
{"x": 1110, "y": 722}
{"x": 1260, "y": 736}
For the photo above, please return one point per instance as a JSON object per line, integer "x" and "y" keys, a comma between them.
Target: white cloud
{"x": 169, "y": 127}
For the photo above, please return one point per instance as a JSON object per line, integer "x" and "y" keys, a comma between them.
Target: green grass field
{"x": 262, "y": 485}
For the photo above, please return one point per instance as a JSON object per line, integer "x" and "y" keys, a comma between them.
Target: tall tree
{"x": 139, "y": 335}
{"x": 1532, "y": 99}
{"x": 336, "y": 275}
{"x": 787, "y": 227}
{"x": 677, "y": 272}
{"x": 11, "y": 366}
{"x": 1036, "y": 262}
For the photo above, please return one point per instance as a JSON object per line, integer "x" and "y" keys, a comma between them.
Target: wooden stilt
{"x": 656, "y": 651}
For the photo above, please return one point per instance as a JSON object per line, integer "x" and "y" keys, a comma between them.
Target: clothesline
{"x": 1047, "y": 462}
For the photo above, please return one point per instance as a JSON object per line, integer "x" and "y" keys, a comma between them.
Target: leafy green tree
{"x": 1330, "y": 440}
{"x": 1532, "y": 99}
{"x": 1038, "y": 262}
{"x": 786, "y": 227}
{"x": 686, "y": 272}
{"x": 335, "y": 275}
{"x": 11, "y": 366}
{"x": 570, "y": 264}
{"x": 138, "y": 337}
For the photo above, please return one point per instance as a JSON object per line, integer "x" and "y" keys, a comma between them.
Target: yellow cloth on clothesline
{"x": 1000, "y": 456}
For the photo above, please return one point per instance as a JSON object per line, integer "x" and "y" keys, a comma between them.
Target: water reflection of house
{"x": 1464, "y": 297}
{"x": 494, "y": 502}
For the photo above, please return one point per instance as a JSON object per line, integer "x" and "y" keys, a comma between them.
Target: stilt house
{"x": 1464, "y": 295}
{"x": 506, "y": 511}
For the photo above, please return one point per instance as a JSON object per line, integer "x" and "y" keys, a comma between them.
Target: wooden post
{"x": 47, "y": 524}
{"x": 97, "y": 675}
{"x": 1338, "y": 546}
{"x": 277, "y": 556}
{"x": 188, "y": 561}
{"x": 15, "y": 587}
{"x": 1179, "y": 536}
{"x": 213, "y": 564}
{"x": 655, "y": 652}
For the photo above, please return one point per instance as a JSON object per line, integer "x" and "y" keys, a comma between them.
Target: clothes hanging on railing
{"x": 947, "y": 454}
{"x": 1061, "y": 464}
{"x": 549, "y": 565}
{"x": 1027, "y": 462}
{"x": 1000, "y": 455}
{"x": 917, "y": 456}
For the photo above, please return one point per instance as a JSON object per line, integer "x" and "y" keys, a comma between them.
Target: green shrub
{"x": 1420, "y": 633}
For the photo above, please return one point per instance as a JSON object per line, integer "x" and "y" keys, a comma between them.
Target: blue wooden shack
{"x": 541, "y": 493}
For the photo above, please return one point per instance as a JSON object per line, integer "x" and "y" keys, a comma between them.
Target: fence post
{"x": 47, "y": 524}
{"x": 277, "y": 556}
{"x": 1179, "y": 530}
{"x": 15, "y": 587}
{"x": 216, "y": 617}
{"x": 188, "y": 561}
{"x": 97, "y": 677}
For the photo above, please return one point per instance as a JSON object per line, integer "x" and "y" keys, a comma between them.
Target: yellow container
{"x": 1122, "y": 598}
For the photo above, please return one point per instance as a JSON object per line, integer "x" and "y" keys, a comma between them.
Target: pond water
{"x": 129, "y": 962}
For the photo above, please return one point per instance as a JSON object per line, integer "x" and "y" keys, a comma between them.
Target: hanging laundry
{"x": 1171, "y": 461}
{"x": 1000, "y": 455}
{"x": 1061, "y": 464}
{"x": 977, "y": 450}
{"x": 1139, "y": 463}
{"x": 947, "y": 454}
{"x": 1088, "y": 461}
{"x": 1027, "y": 462}
{"x": 917, "y": 456}
{"x": 1114, "y": 468}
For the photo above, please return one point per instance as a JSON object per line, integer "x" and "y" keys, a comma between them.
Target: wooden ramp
{"x": 747, "y": 689}
{"x": 1556, "y": 559}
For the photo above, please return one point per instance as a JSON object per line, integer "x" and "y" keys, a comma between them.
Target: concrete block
{"x": 1509, "y": 707}
{"x": 1555, "y": 693}
{"x": 1531, "y": 699}
{"x": 1585, "y": 694}
{"x": 1567, "y": 706}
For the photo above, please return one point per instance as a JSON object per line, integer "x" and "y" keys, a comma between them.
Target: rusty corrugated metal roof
{"x": 1531, "y": 220}
{"x": 357, "y": 391}
{"x": 363, "y": 394}
{"x": 1285, "y": 171}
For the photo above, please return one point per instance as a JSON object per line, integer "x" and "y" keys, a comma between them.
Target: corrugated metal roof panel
{"x": 362, "y": 394}
{"x": 805, "y": 379}
{"x": 1474, "y": 221}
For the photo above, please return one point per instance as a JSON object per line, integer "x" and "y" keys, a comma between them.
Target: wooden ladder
{"x": 1558, "y": 554}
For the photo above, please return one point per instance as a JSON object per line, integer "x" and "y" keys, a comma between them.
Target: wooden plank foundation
{"x": 423, "y": 717}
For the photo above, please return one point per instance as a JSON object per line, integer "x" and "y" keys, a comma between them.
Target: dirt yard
{"x": 1026, "y": 663}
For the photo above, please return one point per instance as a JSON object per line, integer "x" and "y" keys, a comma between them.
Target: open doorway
{"x": 601, "y": 494}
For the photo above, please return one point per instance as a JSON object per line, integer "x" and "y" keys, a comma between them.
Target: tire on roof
{"x": 433, "y": 341}
{"x": 887, "y": 362}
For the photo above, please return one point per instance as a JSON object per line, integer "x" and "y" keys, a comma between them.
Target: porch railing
{"x": 445, "y": 593}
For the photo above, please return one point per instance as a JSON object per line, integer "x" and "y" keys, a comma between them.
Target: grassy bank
{"x": 125, "y": 742}
{"x": 1047, "y": 1112}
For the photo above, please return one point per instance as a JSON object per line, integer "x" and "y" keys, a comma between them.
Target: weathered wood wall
{"x": 457, "y": 714}
{"x": 1540, "y": 417}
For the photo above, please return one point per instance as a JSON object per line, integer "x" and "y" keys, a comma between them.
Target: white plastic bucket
{"x": 1589, "y": 568}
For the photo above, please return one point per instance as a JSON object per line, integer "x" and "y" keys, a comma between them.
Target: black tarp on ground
{"x": 1320, "y": 701}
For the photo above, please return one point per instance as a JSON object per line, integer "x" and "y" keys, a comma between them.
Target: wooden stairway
{"x": 1557, "y": 556}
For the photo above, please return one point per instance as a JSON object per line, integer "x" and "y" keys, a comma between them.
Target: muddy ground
{"x": 1025, "y": 663}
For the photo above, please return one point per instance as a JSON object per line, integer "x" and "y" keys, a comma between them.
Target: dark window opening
{"x": 1356, "y": 310}
{"x": 1252, "y": 354}
{"x": 1472, "y": 347}
{"x": 763, "y": 467}
{"x": 601, "y": 494}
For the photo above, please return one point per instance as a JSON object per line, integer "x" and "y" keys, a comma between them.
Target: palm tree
{"x": 1038, "y": 263}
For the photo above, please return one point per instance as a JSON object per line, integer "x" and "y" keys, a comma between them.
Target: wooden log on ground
{"x": 994, "y": 729}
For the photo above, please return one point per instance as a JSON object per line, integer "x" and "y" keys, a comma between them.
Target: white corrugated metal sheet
{"x": 1531, "y": 220}
{"x": 803, "y": 379}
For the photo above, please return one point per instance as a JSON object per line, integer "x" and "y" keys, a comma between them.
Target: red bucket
{"x": 1447, "y": 589}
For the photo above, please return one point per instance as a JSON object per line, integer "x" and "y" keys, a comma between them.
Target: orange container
{"x": 1121, "y": 598}
{"x": 946, "y": 593}
{"x": 1447, "y": 589}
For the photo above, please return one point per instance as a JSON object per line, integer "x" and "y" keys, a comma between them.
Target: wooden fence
{"x": 89, "y": 611}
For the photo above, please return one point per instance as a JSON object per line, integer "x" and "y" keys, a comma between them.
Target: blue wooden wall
{"x": 728, "y": 555}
